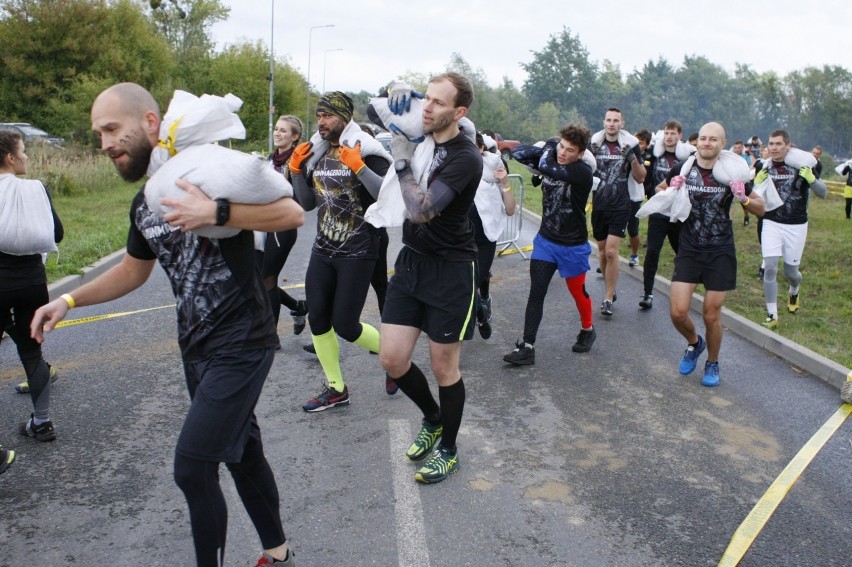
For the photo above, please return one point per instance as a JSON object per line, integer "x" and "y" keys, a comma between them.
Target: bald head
{"x": 711, "y": 140}
{"x": 127, "y": 119}
{"x": 130, "y": 99}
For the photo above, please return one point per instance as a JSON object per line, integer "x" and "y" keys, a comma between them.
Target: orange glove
{"x": 299, "y": 156}
{"x": 351, "y": 157}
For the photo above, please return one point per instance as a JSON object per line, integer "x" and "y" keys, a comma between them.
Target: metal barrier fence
{"x": 512, "y": 231}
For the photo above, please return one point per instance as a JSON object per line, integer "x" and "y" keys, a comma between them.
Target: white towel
{"x": 351, "y": 135}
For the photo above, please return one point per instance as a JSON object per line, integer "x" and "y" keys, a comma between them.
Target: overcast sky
{"x": 383, "y": 39}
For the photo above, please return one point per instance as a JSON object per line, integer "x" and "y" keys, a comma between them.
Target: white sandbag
{"x": 490, "y": 143}
{"x": 192, "y": 120}
{"x": 409, "y": 124}
{"x": 682, "y": 150}
{"x": 221, "y": 173}
{"x": 489, "y": 198}
{"x": 839, "y": 169}
{"x": 624, "y": 137}
{"x": 797, "y": 159}
{"x": 26, "y": 220}
{"x": 769, "y": 193}
{"x": 389, "y": 209}
{"x": 589, "y": 158}
{"x": 635, "y": 189}
{"x": 730, "y": 167}
{"x": 671, "y": 202}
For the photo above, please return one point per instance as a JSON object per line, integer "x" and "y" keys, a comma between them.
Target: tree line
{"x": 56, "y": 55}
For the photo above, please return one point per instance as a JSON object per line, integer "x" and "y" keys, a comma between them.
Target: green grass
{"x": 823, "y": 321}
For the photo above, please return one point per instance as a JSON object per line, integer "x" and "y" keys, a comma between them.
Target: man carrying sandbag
{"x": 225, "y": 326}
{"x": 785, "y": 228}
{"x": 618, "y": 156}
{"x": 706, "y": 253}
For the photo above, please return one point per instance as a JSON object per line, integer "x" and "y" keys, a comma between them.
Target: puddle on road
{"x": 550, "y": 491}
{"x": 743, "y": 443}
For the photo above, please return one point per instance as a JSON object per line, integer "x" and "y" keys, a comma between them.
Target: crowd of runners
{"x": 455, "y": 196}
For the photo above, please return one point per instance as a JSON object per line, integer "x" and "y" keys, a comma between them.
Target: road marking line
{"x": 765, "y": 507}
{"x": 408, "y": 509}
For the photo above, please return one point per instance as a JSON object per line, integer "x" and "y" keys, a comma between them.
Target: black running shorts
{"x": 433, "y": 295}
{"x": 610, "y": 222}
{"x": 715, "y": 269}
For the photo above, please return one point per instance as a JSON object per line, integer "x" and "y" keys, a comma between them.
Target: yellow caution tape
{"x": 765, "y": 507}
{"x": 94, "y": 318}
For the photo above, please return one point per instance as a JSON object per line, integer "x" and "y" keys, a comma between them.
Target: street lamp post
{"x": 271, "y": 72}
{"x": 308, "y": 89}
{"x": 324, "y": 60}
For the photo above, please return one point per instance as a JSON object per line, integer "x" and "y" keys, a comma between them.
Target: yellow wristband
{"x": 507, "y": 189}
{"x": 69, "y": 300}
{"x": 746, "y": 202}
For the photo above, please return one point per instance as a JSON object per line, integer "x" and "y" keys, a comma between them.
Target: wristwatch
{"x": 401, "y": 164}
{"x": 223, "y": 211}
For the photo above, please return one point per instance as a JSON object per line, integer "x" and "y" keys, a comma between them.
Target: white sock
{"x": 772, "y": 309}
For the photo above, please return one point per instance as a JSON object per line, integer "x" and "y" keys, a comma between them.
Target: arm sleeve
{"x": 371, "y": 177}
{"x": 303, "y": 192}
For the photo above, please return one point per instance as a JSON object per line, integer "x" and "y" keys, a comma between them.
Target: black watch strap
{"x": 223, "y": 211}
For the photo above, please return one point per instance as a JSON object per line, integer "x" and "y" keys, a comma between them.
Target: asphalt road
{"x": 605, "y": 458}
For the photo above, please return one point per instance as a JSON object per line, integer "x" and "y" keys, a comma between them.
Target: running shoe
{"x": 7, "y": 457}
{"x": 647, "y": 302}
{"x": 585, "y": 340}
{"x": 485, "y": 330}
{"x": 391, "y": 387}
{"x": 24, "y": 387}
{"x": 711, "y": 374}
{"x": 485, "y": 309}
{"x": 745, "y": 221}
{"x": 634, "y": 260}
{"x": 426, "y": 439}
{"x": 42, "y": 432}
{"x": 606, "y": 308}
{"x": 690, "y": 356}
{"x": 327, "y": 399}
{"x": 439, "y": 466}
{"x": 269, "y": 561}
{"x": 771, "y": 322}
{"x": 793, "y": 303}
{"x": 310, "y": 348}
{"x": 523, "y": 354}
{"x": 299, "y": 314}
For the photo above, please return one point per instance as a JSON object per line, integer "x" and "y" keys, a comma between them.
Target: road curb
{"x": 797, "y": 355}
{"x": 69, "y": 283}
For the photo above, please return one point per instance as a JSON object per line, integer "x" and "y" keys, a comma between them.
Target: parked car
{"x": 30, "y": 133}
{"x": 505, "y": 146}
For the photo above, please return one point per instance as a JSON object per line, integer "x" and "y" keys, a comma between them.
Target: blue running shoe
{"x": 690, "y": 356}
{"x": 711, "y": 374}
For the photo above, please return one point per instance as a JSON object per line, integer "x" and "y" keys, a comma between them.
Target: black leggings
{"x": 380, "y": 272}
{"x": 659, "y": 227}
{"x": 275, "y": 254}
{"x": 540, "y": 275}
{"x": 208, "y": 514}
{"x": 848, "y": 207}
{"x": 17, "y": 308}
{"x": 336, "y": 289}
{"x": 484, "y": 261}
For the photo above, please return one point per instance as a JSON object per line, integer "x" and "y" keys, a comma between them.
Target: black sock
{"x": 452, "y": 407}
{"x": 414, "y": 385}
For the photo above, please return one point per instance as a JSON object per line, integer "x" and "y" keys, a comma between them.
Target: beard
{"x": 333, "y": 133}
{"x": 136, "y": 166}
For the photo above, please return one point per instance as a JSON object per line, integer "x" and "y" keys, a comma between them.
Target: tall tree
{"x": 561, "y": 74}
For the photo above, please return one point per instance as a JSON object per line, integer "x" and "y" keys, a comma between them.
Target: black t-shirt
{"x": 449, "y": 236}
{"x": 222, "y": 305}
{"x": 708, "y": 226}
{"x": 612, "y": 193}
{"x": 564, "y": 193}
{"x": 792, "y": 189}
{"x": 342, "y": 200}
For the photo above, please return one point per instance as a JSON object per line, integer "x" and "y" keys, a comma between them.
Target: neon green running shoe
{"x": 426, "y": 439}
{"x": 441, "y": 465}
{"x": 24, "y": 387}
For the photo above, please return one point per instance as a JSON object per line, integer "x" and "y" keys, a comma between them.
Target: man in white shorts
{"x": 785, "y": 228}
